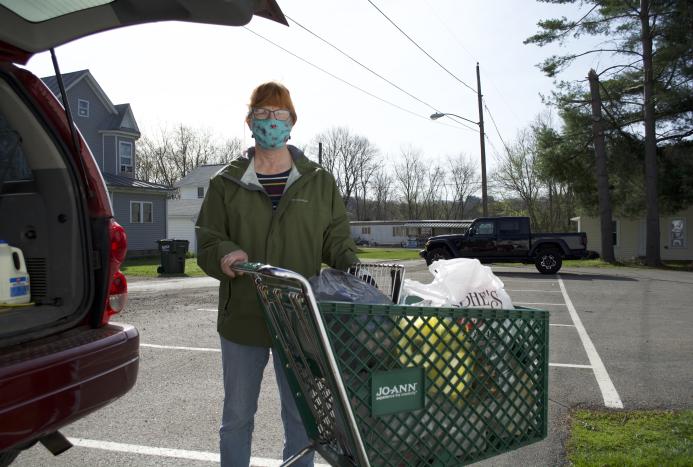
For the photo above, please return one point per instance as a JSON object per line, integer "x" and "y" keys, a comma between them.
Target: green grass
{"x": 634, "y": 438}
{"x": 146, "y": 267}
{"x": 589, "y": 263}
{"x": 599, "y": 263}
{"x": 388, "y": 254}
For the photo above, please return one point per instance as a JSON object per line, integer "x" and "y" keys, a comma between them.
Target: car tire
{"x": 549, "y": 261}
{"x": 437, "y": 253}
{"x": 7, "y": 457}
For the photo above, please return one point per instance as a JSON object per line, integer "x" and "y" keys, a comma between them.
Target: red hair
{"x": 274, "y": 94}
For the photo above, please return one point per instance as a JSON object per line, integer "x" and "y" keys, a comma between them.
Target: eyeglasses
{"x": 263, "y": 114}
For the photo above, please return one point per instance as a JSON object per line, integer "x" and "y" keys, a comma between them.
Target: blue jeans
{"x": 243, "y": 367}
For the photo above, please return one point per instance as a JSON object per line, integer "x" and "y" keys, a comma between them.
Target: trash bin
{"x": 172, "y": 256}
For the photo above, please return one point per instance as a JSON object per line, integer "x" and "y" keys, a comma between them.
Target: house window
{"x": 200, "y": 192}
{"x": 614, "y": 234}
{"x": 366, "y": 230}
{"x": 125, "y": 156}
{"x": 399, "y": 231}
{"x": 83, "y": 108}
{"x": 141, "y": 212}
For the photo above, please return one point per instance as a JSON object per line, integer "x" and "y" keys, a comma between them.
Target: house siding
{"x": 98, "y": 113}
{"x": 108, "y": 154}
{"x": 183, "y": 228}
{"x": 380, "y": 234}
{"x": 141, "y": 237}
{"x": 631, "y": 236}
{"x": 190, "y": 191}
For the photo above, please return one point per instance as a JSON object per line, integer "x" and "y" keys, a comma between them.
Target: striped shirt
{"x": 274, "y": 185}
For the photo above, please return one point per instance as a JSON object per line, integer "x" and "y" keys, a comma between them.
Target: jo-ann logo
{"x": 401, "y": 390}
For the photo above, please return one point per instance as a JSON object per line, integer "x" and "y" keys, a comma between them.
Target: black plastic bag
{"x": 333, "y": 285}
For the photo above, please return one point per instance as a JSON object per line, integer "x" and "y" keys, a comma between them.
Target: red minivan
{"x": 60, "y": 356}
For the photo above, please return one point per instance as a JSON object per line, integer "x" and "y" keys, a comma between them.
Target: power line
{"x": 352, "y": 85}
{"x": 373, "y": 72}
{"x": 496, "y": 127}
{"x": 420, "y": 48}
{"x": 462, "y": 46}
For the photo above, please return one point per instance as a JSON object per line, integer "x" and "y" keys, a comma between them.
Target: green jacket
{"x": 309, "y": 227}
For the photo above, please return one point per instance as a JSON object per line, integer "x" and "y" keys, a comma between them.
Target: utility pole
{"x": 320, "y": 153}
{"x": 602, "y": 175}
{"x": 484, "y": 196}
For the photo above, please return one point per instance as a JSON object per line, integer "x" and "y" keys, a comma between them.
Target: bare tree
{"x": 463, "y": 182}
{"x": 366, "y": 171}
{"x": 382, "y": 193}
{"x": 155, "y": 153}
{"x": 518, "y": 174}
{"x": 433, "y": 192}
{"x": 410, "y": 175}
{"x": 346, "y": 156}
{"x": 228, "y": 151}
{"x": 168, "y": 155}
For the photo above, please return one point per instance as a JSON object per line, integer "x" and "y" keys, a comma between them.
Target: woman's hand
{"x": 238, "y": 256}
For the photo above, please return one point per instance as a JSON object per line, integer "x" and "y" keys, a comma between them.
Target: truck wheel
{"x": 435, "y": 254}
{"x": 549, "y": 261}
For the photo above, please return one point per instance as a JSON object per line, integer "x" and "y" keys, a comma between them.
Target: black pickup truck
{"x": 507, "y": 240}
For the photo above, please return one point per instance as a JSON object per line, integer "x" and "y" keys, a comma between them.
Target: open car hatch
{"x": 27, "y": 27}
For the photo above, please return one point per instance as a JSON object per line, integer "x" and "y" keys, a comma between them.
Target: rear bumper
{"x": 47, "y": 384}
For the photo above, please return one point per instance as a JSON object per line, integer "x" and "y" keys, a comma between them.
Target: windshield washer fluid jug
{"x": 14, "y": 279}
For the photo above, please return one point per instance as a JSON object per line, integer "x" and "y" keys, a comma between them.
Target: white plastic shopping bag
{"x": 460, "y": 282}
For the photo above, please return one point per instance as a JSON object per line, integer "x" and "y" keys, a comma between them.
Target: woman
{"x": 277, "y": 207}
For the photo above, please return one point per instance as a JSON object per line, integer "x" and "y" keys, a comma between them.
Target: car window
{"x": 41, "y": 11}
{"x": 509, "y": 226}
{"x": 484, "y": 228}
{"x": 13, "y": 164}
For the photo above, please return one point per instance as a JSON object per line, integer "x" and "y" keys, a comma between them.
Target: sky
{"x": 202, "y": 75}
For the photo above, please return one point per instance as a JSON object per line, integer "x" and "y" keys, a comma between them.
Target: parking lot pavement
{"x": 638, "y": 322}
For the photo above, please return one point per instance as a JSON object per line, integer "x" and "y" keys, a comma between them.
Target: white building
{"x": 182, "y": 213}
{"x": 404, "y": 233}
{"x": 629, "y": 236}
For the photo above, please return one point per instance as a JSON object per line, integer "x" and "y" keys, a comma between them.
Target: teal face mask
{"x": 271, "y": 133}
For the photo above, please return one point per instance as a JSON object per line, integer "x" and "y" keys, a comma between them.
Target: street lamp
{"x": 480, "y": 124}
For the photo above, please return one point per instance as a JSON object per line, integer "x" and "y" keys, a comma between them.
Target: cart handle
{"x": 267, "y": 270}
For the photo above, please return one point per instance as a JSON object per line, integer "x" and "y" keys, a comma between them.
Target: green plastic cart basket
{"x": 392, "y": 385}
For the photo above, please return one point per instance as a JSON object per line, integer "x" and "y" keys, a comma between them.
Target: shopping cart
{"x": 399, "y": 385}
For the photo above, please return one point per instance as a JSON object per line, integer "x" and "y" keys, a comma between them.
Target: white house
{"x": 629, "y": 236}
{"x": 183, "y": 212}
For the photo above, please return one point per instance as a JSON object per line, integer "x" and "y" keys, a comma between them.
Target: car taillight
{"x": 119, "y": 243}
{"x": 117, "y": 286}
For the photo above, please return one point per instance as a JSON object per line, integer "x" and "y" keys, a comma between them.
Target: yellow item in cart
{"x": 439, "y": 347}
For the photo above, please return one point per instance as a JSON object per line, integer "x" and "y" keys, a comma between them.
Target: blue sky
{"x": 202, "y": 75}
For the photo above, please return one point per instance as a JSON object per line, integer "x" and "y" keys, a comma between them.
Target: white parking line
{"x": 563, "y": 325}
{"x": 207, "y": 309}
{"x": 542, "y": 304}
{"x": 609, "y": 393}
{"x": 527, "y": 281}
{"x": 540, "y": 291}
{"x": 205, "y": 456}
{"x": 176, "y": 347}
{"x": 570, "y": 365}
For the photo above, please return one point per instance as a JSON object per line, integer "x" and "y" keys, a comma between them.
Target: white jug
{"x": 14, "y": 279}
